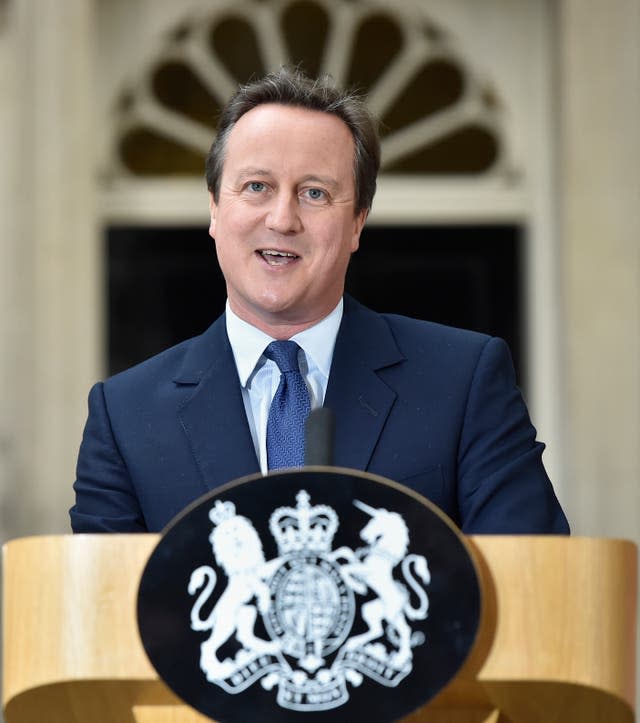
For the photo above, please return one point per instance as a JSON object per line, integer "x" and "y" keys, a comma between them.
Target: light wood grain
{"x": 557, "y": 640}
{"x": 564, "y": 628}
{"x": 167, "y": 714}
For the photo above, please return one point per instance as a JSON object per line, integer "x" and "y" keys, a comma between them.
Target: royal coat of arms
{"x": 330, "y": 616}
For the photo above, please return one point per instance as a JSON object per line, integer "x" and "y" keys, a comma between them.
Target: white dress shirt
{"x": 260, "y": 377}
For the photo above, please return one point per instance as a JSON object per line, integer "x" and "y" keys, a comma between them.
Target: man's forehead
{"x": 270, "y": 118}
{"x": 271, "y": 138}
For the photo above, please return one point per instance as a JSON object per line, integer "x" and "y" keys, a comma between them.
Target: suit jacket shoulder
{"x": 438, "y": 409}
{"x": 161, "y": 434}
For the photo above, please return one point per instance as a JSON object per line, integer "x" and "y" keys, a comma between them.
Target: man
{"x": 291, "y": 177}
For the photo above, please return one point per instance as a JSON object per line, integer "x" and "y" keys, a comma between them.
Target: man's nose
{"x": 284, "y": 214}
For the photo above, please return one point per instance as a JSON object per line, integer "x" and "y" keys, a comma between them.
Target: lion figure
{"x": 238, "y": 551}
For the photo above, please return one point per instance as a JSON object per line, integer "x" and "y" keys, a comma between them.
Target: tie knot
{"x": 284, "y": 354}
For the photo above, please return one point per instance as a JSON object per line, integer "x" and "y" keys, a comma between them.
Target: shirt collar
{"x": 248, "y": 342}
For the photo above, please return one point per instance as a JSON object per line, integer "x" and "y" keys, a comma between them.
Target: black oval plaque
{"x": 321, "y": 594}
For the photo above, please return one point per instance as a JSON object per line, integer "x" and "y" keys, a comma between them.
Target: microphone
{"x": 318, "y": 438}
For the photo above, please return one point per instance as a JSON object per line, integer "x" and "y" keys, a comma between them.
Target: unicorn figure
{"x": 387, "y": 539}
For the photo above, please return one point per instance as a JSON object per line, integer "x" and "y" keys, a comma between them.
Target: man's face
{"x": 285, "y": 224}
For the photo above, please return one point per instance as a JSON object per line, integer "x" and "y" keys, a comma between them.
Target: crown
{"x": 303, "y": 528}
{"x": 222, "y": 511}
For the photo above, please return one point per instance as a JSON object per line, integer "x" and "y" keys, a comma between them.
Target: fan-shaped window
{"x": 234, "y": 42}
{"x": 305, "y": 27}
{"x": 377, "y": 42}
{"x": 437, "y": 116}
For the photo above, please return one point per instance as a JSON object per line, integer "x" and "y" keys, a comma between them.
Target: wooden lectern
{"x": 556, "y": 642}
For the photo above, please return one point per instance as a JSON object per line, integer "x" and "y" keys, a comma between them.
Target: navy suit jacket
{"x": 432, "y": 407}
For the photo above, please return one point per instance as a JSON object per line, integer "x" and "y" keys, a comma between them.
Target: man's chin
{"x": 271, "y": 309}
{"x": 278, "y": 314}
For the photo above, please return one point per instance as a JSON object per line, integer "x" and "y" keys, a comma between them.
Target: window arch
{"x": 438, "y": 117}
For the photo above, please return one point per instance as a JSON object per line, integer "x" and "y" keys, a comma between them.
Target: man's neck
{"x": 277, "y": 326}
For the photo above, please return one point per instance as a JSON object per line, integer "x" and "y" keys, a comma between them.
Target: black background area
{"x": 164, "y": 284}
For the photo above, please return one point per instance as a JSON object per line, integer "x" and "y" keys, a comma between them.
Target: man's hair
{"x": 291, "y": 87}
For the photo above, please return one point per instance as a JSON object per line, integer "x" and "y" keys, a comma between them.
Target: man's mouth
{"x": 277, "y": 258}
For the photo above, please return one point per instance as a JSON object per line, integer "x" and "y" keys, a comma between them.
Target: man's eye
{"x": 316, "y": 194}
{"x": 256, "y": 186}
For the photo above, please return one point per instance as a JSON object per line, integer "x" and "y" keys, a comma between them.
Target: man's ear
{"x": 213, "y": 210}
{"x": 359, "y": 221}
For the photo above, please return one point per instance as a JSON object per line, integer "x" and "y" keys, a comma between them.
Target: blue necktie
{"x": 289, "y": 408}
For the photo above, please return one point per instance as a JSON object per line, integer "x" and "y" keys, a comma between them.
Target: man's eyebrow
{"x": 252, "y": 171}
{"x": 322, "y": 180}
{"x": 256, "y": 171}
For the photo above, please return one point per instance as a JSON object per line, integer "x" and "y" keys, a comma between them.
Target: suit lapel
{"x": 359, "y": 398}
{"x": 213, "y": 416}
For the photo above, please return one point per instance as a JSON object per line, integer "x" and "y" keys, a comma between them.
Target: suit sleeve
{"x": 105, "y": 498}
{"x": 502, "y": 484}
